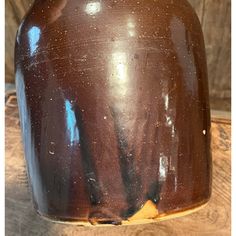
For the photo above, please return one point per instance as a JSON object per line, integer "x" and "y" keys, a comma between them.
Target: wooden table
{"x": 21, "y": 219}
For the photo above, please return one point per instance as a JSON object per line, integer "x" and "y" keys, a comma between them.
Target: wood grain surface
{"x": 21, "y": 219}
{"x": 215, "y": 16}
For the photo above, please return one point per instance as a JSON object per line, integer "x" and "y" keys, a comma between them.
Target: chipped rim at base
{"x": 159, "y": 218}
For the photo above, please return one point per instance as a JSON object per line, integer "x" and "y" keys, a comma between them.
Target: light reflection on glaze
{"x": 22, "y": 103}
{"x": 93, "y": 8}
{"x": 119, "y": 73}
{"x": 28, "y": 135}
{"x": 131, "y": 28}
{"x": 169, "y": 101}
{"x": 166, "y": 102}
{"x": 34, "y": 36}
{"x": 72, "y": 129}
{"x": 163, "y": 168}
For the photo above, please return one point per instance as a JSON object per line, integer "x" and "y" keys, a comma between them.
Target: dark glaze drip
{"x": 154, "y": 192}
{"x": 129, "y": 176}
{"x": 91, "y": 180}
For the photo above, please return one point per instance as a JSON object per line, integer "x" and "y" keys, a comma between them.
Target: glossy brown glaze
{"x": 113, "y": 100}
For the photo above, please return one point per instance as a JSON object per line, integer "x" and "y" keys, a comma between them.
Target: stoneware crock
{"x": 114, "y": 109}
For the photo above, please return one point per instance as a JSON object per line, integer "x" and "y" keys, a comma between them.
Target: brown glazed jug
{"x": 113, "y": 100}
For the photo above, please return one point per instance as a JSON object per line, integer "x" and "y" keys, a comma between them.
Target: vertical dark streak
{"x": 154, "y": 188}
{"x": 154, "y": 192}
{"x": 87, "y": 162}
{"x": 130, "y": 179}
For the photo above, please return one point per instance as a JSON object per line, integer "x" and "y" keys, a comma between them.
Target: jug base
{"x": 158, "y": 218}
